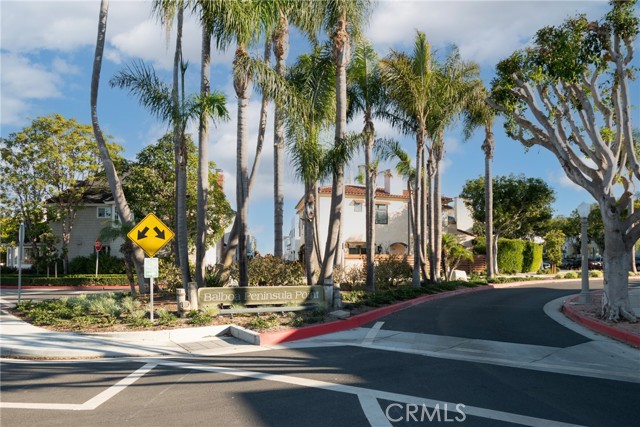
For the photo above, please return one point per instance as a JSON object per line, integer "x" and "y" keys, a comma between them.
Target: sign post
{"x": 150, "y": 272}
{"x": 20, "y": 258}
{"x": 98, "y": 247}
{"x": 151, "y": 234}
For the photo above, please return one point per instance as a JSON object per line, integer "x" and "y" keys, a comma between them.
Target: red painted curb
{"x": 598, "y": 325}
{"x": 270, "y": 338}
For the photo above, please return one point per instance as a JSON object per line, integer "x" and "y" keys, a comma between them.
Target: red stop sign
{"x": 98, "y": 245}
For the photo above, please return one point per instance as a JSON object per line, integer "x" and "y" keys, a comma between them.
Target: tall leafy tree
{"x": 146, "y": 187}
{"x": 48, "y": 167}
{"x": 569, "y": 93}
{"x": 521, "y": 209}
{"x": 366, "y": 95}
{"x": 112, "y": 176}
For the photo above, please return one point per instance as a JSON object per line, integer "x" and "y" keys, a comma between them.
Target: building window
{"x": 357, "y": 248}
{"x": 104, "y": 212}
{"x": 382, "y": 214}
{"x": 357, "y": 207}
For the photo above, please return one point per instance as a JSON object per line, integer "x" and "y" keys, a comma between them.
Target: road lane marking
{"x": 373, "y": 394}
{"x": 90, "y": 404}
{"x": 371, "y": 335}
{"x": 118, "y": 387}
{"x": 372, "y": 410}
{"x": 368, "y": 398}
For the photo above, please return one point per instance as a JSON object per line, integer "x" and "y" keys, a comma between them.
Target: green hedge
{"x": 510, "y": 255}
{"x": 531, "y": 257}
{"x": 69, "y": 280}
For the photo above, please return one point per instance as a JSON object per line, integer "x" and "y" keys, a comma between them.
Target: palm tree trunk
{"x": 175, "y": 99}
{"x": 430, "y": 218}
{"x": 424, "y": 219}
{"x": 242, "y": 83}
{"x": 437, "y": 211}
{"x": 232, "y": 244}
{"x": 370, "y": 184}
{"x": 487, "y": 147}
{"x": 280, "y": 47}
{"x": 203, "y": 161}
{"x": 310, "y": 256}
{"x": 341, "y": 53}
{"x": 417, "y": 241}
{"x": 110, "y": 171}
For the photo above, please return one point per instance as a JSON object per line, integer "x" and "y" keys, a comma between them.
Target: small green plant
{"x": 139, "y": 322}
{"x": 259, "y": 323}
{"x": 595, "y": 273}
{"x": 212, "y": 311}
{"x": 199, "y": 318}
{"x": 571, "y": 275}
{"x": 165, "y": 317}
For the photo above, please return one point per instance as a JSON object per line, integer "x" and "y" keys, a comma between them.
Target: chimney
{"x": 220, "y": 178}
{"x": 387, "y": 181}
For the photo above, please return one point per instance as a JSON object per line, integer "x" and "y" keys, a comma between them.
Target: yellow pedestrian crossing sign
{"x": 151, "y": 234}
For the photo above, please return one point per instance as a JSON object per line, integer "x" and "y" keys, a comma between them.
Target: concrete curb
{"x": 598, "y": 325}
{"x": 277, "y": 337}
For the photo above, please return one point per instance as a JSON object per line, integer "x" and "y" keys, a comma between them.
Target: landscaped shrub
{"x": 349, "y": 277}
{"x": 107, "y": 264}
{"x": 169, "y": 276}
{"x": 392, "y": 271}
{"x": 510, "y": 255}
{"x": 80, "y": 280}
{"x": 269, "y": 270}
{"x": 479, "y": 245}
{"x": 531, "y": 257}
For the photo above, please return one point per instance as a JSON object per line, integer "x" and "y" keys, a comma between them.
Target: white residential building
{"x": 393, "y": 234}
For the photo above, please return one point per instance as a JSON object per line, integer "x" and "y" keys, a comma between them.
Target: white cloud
{"x": 57, "y": 25}
{"x": 484, "y": 31}
{"x": 23, "y": 81}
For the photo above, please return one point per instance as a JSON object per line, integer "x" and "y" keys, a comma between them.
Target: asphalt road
{"x": 337, "y": 385}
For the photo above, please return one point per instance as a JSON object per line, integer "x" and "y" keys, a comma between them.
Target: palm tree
{"x": 112, "y": 176}
{"x": 167, "y": 11}
{"x": 455, "y": 82}
{"x": 343, "y": 20}
{"x": 232, "y": 245}
{"x": 142, "y": 81}
{"x": 243, "y": 22}
{"x": 366, "y": 94}
{"x": 389, "y": 150}
{"x": 409, "y": 82}
{"x": 299, "y": 14}
{"x": 453, "y": 253}
{"x": 480, "y": 114}
{"x": 312, "y": 78}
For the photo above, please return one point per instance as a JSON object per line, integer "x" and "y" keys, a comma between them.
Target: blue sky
{"x": 46, "y": 53}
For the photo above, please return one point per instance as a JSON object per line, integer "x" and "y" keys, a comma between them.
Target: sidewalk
{"x": 19, "y": 339}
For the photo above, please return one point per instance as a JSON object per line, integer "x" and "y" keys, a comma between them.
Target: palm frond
{"x": 152, "y": 93}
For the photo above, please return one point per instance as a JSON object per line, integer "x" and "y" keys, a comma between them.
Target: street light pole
{"x": 583, "y": 211}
